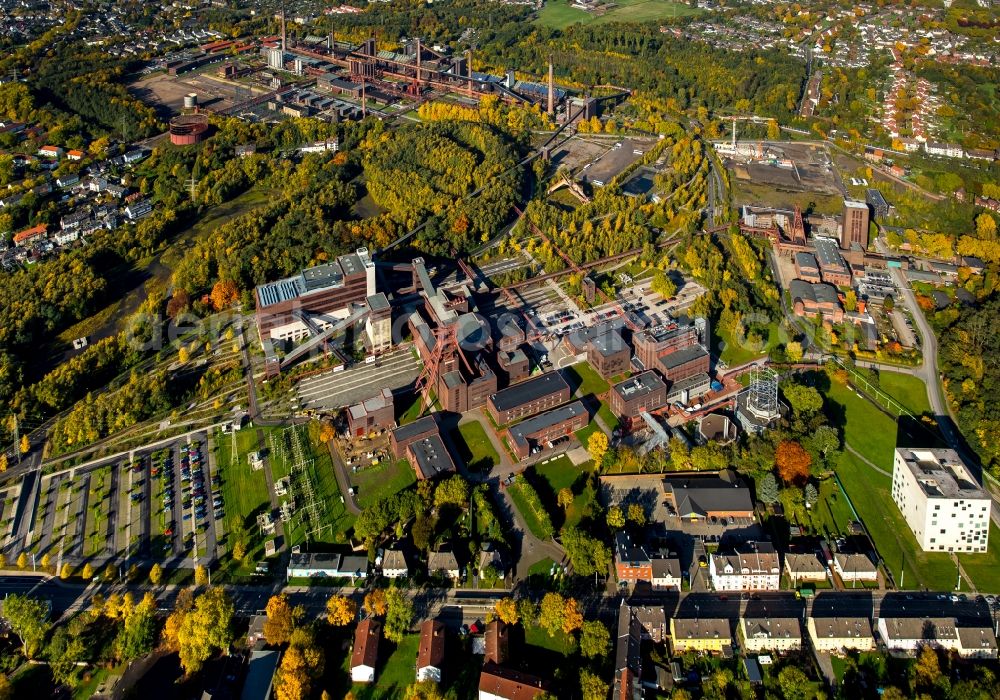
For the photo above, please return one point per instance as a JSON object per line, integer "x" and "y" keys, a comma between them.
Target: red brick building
{"x": 420, "y": 429}
{"x": 643, "y": 392}
{"x": 376, "y": 413}
{"x": 535, "y": 434}
{"x": 528, "y": 398}
{"x": 684, "y": 363}
{"x": 609, "y": 354}
{"x": 632, "y": 564}
{"x": 651, "y": 344}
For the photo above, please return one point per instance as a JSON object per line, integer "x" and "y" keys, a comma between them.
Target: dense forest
{"x": 970, "y": 362}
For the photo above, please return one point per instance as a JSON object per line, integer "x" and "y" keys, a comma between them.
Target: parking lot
{"x": 149, "y": 506}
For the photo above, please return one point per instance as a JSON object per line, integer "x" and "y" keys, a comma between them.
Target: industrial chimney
{"x": 552, "y": 91}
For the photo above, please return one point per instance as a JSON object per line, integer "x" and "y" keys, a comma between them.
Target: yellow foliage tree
{"x": 340, "y": 610}
{"x": 506, "y": 611}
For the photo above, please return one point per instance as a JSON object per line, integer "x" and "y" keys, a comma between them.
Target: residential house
{"x": 770, "y": 634}
{"x": 632, "y": 564}
{"x": 907, "y": 635}
{"x": 702, "y": 634}
{"x": 51, "y": 152}
{"x": 666, "y": 573}
{"x": 430, "y": 655}
{"x": 815, "y": 300}
{"x": 753, "y": 566}
{"x": 138, "y": 209}
{"x": 74, "y": 154}
{"x": 854, "y": 567}
{"x": 29, "y": 236}
{"x": 838, "y": 635}
{"x": 444, "y": 563}
{"x": 364, "y": 657}
{"x": 497, "y": 642}
{"x": 67, "y": 181}
{"x": 393, "y": 564}
{"x": 804, "y": 568}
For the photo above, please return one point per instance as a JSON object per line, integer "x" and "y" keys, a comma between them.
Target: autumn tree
{"x": 281, "y": 620}
{"x": 155, "y": 574}
{"x": 6, "y": 689}
{"x": 88, "y": 572}
{"x": 205, "y": 629}
{"x": 423, "y": 690}
{"x": 200, "y": 575}
{"x": 804, "y": 400}
{"x": 793, "y": 351}
{"x": 572, "y": 616}
{"x": 172, "y": 627}
{"x": 551, "y": 613}
{"x": 792, "y": 462}
{"x": 28, "y": 618}
{"x": 592, "y": 686}
{"x": 3, "y": 462}
{"x": 597, "y": 446}
{"x": 399, "y": 615}
{"x": 375, "y": 602}
{"x": 340, "y": 610}
{"x": 636, "y": 514}
{"x": 25, "y": 444}
{"x": 137, "y": 636}
{"x": 66, "y": 571}
{"x": 595, "y": 640}
{"x": 301, "y": 666}
{"x": 662, "y": 284}
{"x": 565, "y": 498}
{"x": 615, "y": 518}
{"x": 224, "y": 294}
{"x": 506, "y": 611}
{"x": 22, "y": 560}
{"x": 453, "y": 491}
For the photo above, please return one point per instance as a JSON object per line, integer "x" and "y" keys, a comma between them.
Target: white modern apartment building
{"x": 940, "y": 500}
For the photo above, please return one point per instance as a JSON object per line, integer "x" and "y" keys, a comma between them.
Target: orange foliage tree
{"x": 793, "y": 462}
{"x": 224, "y": 294}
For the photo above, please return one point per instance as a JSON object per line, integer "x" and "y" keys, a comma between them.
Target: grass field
{"x": 767, "y": 195}
{"x": 531, "y": 517}
{"x": 558, "y": 14}
{"x": 244, "y": 493}
{"x": 560, "y": 473}
{"x": 866, "y": 428}
{"x": 735, "y": 354}
{"x": 475, "y": 448}
{"x": 560, "y": 643}
{"x": 908, "y": 390}
{"x": 372, "y": 484}
{"x": 832, "y": 515}
{"x": 585, "y": 379}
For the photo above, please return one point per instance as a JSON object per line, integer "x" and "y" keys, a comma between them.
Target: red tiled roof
{"x": 431, "y": 652}
{"x": 512, "y": 685}
{"x": 366, "y": 641}
{"x": 30, "y": 233}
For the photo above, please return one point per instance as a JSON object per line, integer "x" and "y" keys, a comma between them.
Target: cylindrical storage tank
{"x": 188, "y": 129}
{"x": 190, "y": 100}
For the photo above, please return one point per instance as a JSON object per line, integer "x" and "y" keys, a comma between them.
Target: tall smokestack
{"x": 468, "y": 66}
{"x": 283, "y": 37}
{"x": 418, "y": 59}
{"x": 552, "y": 90}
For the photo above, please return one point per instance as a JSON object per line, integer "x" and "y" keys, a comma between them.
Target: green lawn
{"x": 734, "y": 353}
{"x": 609, "y": 418}
{"x": 412, "y": 412}
{"x": 541, "y": 568}
{"x": 393, "y": 676}
{"x": 832, "y": 515}
{"x": 558, "y": 14}
{"x": 585, "y": 379}
{"x": 866, "y": 428}
{"x": 908, "y": 390}
{"x": 244, "y": 491}
{"x": 561, "y": 473}
{"x": 372, "y": 484}
{"x": 475, "y": 448}
{"x": 526, "y": 511}
{"x": 328, "y": 496}
{"x": 583, "y": 434}
{"x": 560, "y": 643}
{"x": 869, "y": 491}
